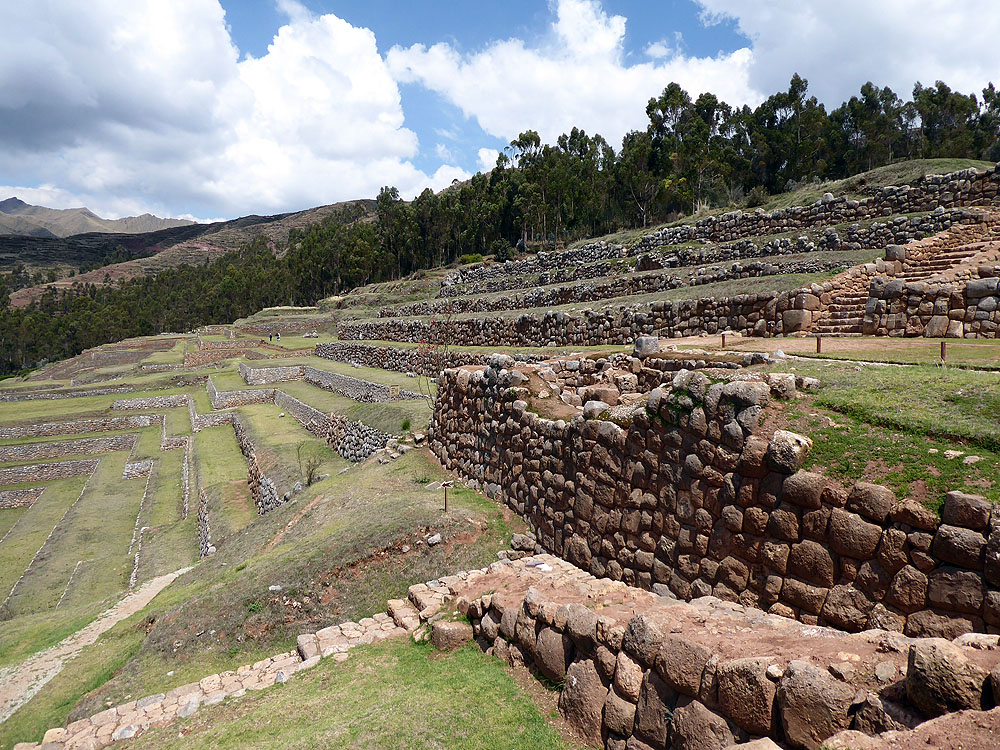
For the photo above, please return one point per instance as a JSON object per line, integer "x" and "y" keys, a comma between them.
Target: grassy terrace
{"x": 392, "y": 695}
{"x": 341, "y": 559}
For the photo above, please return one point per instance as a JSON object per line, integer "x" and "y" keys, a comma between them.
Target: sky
{"x": 212, "y": 109}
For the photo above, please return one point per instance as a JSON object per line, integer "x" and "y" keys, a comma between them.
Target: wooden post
{"x": 445, "y": 486}
{"x": 944, "y": 351}
{"x": 723, "y": 341}
{"x": 819, "y": 344}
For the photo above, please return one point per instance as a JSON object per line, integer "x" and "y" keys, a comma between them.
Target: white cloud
{"x": 838, "y": 46}
{"x": 488, "y": 158}
{"x": 143, "y": 104}
{"x": 578, "y": 77}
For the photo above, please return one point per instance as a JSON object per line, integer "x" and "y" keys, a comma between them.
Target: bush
{"x": 757, "y": 197}
{"x": 406, "y": 425}
{"x": 471, "y": 258}
{"x": 503, "y": 251}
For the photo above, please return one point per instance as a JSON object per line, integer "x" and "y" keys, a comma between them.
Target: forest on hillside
{"x": 694, "y": 154}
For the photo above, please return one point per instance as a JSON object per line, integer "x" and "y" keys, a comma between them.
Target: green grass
{"x": 892, "y": 425}
{"x": 217, "y": 457}
{"x": 981, "y": 354}
{"x": 33, "y": 527}
{"x": 58, "y": 410}
{"x": 393, "y": 695}
{"x": 90, "y": 545}
{"x": 26, "y": 635}
{"x": 52, "y": 706}
{"x": 386, "y": 416}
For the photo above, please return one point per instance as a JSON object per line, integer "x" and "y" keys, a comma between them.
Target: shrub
{"x": 471, "y": 258}
{"x": 757, "y": 197}
{"x": 406, "y": 425}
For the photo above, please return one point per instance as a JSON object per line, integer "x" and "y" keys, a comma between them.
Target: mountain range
{"x": 26, "y": 220}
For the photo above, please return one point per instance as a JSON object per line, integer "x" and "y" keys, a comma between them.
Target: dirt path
{"x": 20, "y": 683}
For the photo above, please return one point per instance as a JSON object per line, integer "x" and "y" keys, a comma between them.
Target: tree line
{"x": 693, "y": 154}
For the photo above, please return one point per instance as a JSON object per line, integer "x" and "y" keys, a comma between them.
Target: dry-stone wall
{"x": 688, "y": 498}
{"x": 651, "y": 252}
{"x": 20, "y": 498}
{"x": 231, "y": 399}
{"x": 916, "y": 308}
{"x": 616, "y": 286}
{"x": 210, "y": 356}
{"x": 355, "y": 441}
{"x": 749, "y": 314}
{"x": 137, "y": 469}
{"x": 205, "y": 547}
{"x": 427, "y": 362}
{"x": 48, "y": 472}
{"x": 314, "y": 421}
{"x": 49, "y": 395}
{"x": 152, "y": 402}
{"x": 268, "y": 375}
{"x": 106, "y": 424}
{"x": 42, "y": 451}
{"x": 639, "y": 671}
{"x": 262, "y": 489}
{"x": 363, "y": 391}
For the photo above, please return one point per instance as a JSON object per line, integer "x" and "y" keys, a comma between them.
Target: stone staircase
{"x": 844, "y": 315}
{"x": 940, "y": 262}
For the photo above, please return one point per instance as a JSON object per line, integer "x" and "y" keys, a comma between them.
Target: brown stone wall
{"x": 687, "y": 496}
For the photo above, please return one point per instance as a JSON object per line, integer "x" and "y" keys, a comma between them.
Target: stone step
{"x": 404, "y": 614}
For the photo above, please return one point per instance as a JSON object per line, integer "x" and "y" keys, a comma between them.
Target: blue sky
{"x": 220, "y": 108}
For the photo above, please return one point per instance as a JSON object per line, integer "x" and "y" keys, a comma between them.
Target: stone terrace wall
{"x": 316, "y": 422}
{"x": 153, "y": 402}
{"x": 210, "y": 356}
{"x": 916, "y": 308}
{"x": 105, "y": 424}
{"x": 355, "y": 389}
{"x": 748, "y": 314}
{"x": 355, "y": 441}
{"x": 616, "y": 286}
{"x": 603, "y": 259}
{"x": 262, "y": 489}
{"x": 41, "y": 451}
{"x": 205, "y": 547}
{"x": 688, "y": 499}
{"x": 268, "y": 375}
{"x": 231, "y": 399}
{"x": 48, "y": 472}
{"x": 20, "y": 498}
{"x": 640, "y": 672}
{"x": 49, "y": 395}
{"x": 402, "y": 359}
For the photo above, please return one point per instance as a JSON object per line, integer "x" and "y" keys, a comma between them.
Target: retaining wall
{"x": 689, "y": 497}
{"x": 403, "y": 359}
{"x": 152, "y": 402}
{"x": 106, "y": 424}
{"x": 41, "y": 451}
{"x": 262, "y": 489}
{"x": 48, "y": 472}
{"x": 961, "y": 309}
{"x": 44, "y": 396}
{"x": 20, "y": 498}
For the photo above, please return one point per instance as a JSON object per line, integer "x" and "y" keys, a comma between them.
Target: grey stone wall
{"x": 968, "y": 309}
{"x": 262, "y": 489}
{"x": 106, "y": 424}
{"x": 688, "y": 496}
{"x": 20, "y": 498}
{"x": 42, "y": 451}
{"x": 152, "y": 402}
{"x": 48, "y": 472}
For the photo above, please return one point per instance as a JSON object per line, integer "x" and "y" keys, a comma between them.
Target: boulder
{"x": 847, "y": 608}
{"x": 958, "y": 546}
{"x": 582, "y": 699}
{"x": 619, "y": 714}
{"x": 940, "y": 679}
{"x": 787, "y": 451}
{"x": 746, "y": 694}
{"x": 553, "y": 651}
{"x": 656, "y": 701}
{"x": 645, "y": 346}
{"x": 852, "y": 536}
{"x": 813, "y": 705}
{"x": 968, "y": 511}
{"x": 695, "y": 727}
{"x": 447, "y": 635}
{"x": 873, "y": 501}
{"x": 681, "y": 662}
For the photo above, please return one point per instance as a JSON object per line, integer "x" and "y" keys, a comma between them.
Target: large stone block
{"x": 746, "y": 694}
{"x": 813, "y": 705}
{"x": 582, "y": 699}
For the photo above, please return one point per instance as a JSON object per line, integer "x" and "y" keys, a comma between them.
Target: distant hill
{"x": 20, "y": 218}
